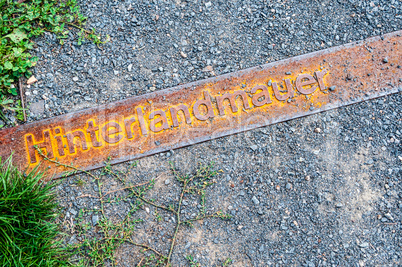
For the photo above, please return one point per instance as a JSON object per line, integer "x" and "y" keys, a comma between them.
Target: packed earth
{"x": 315, "y": 191}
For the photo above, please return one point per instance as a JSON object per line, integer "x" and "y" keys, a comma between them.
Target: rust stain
{"x": 211, "y": 108}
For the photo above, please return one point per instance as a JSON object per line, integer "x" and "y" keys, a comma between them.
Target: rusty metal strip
{"x": 211, "y": 108}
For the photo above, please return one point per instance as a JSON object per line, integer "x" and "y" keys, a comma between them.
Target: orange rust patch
{"x": 211, "y": 108}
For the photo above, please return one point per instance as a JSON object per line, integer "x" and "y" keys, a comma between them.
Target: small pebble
{"x": 184, "y": 55}
{"x": 255, "y": 200}
{"x": 364, "y": 245}
{"x": 389, "y": 216}
{"x": 95, "y": 219}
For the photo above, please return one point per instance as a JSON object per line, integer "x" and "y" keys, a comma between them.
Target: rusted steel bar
{"x": 211, "y": 108}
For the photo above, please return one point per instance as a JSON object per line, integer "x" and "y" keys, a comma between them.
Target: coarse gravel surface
{"x": 297, "y": 195}
{"x": 314, "y": 191}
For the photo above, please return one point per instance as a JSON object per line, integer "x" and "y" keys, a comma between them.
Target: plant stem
{"x": 201, "y": 218}
{"x": 151, "y": 203}
{"x": 177, "y": 225}
{"x": 78, "y": 27}
{"x": 124, "y": 188}
{"x": 22, "y": 99}
{"x": 144, "y": 246}
{"x": 64, "y": 165}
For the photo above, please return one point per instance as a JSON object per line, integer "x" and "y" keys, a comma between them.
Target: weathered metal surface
{"x": 211, "y": 108}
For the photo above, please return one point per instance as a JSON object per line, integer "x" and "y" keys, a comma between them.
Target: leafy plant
{"x": 27, "y": 212}
{"x": 22, "y": 20}
{"x": 80, "y": 182}
{"x": 192, "y": 261}
{"x": 227, "y": 262}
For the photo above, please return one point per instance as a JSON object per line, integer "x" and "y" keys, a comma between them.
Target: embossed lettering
{"x": 320, "y": 78}
{"x": 105, "y": 133}
{"x": 59, "y": 141}
{"x": 128, "y": 124}
{"x": 263, "y": 94}
{"x": 204, "y": 102}
{"x": 140, "y": 115}
{"x": 78, "y": 134}
{"x": 305, "y": 80}
{"x": 45, "y": 144}
{"x": 289, "y": 88}
{"x": 162, "y": 120}
{"x": 175, "y": 110}
{"x": 92, "y": 133}
{"x": 232, "y": 101}
{"x": 110, "y": 132}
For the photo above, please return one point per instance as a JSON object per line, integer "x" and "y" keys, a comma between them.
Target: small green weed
{"x": 80, "y": 182}
{"x": 192, "y": 261}
{"x": 227, "y": 262}
{"x": 8, "y": 104}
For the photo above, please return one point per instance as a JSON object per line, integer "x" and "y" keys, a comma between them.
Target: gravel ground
{"x": 315, "y": 191}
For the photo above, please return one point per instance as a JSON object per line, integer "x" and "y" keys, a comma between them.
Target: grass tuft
{"x": 27, "y": 212}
